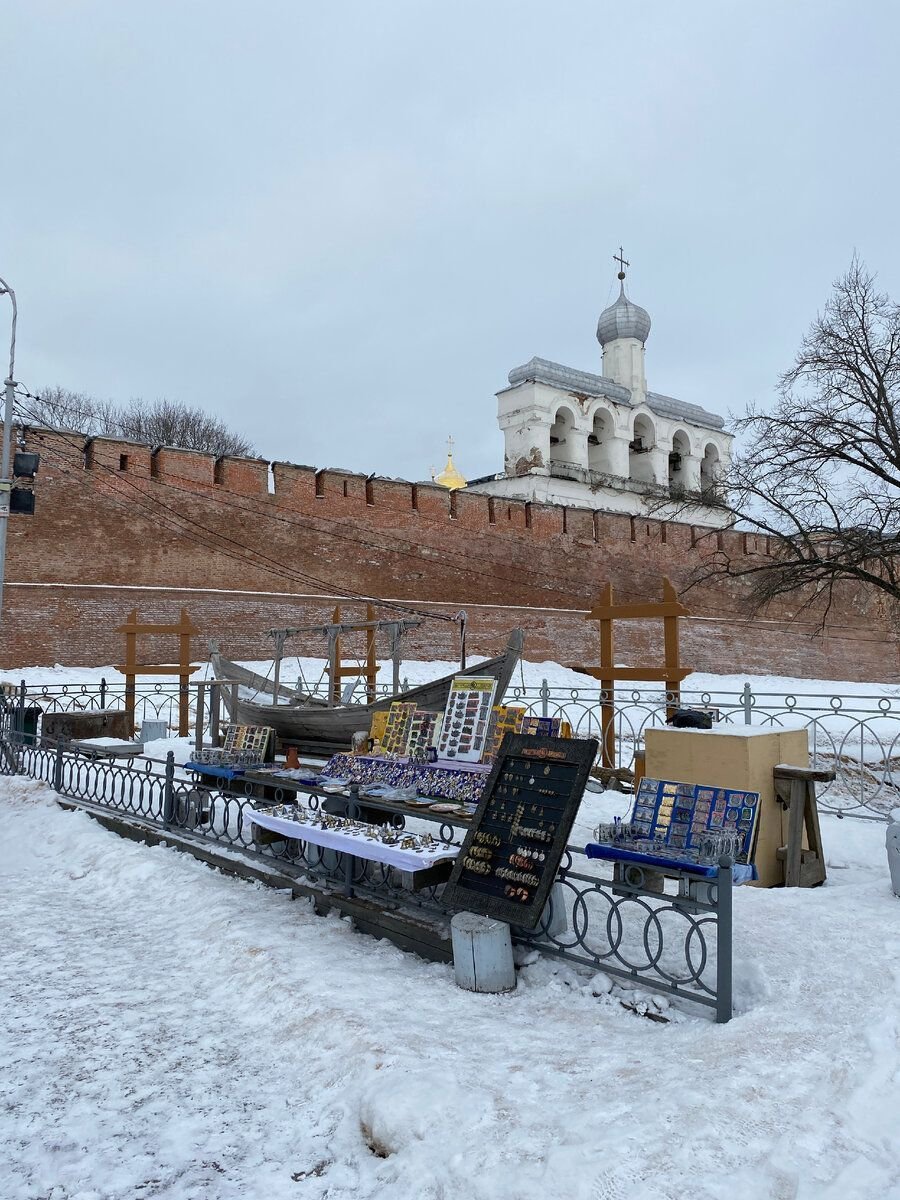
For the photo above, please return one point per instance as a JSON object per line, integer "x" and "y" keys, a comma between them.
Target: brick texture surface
{"x": 247, "y": 548}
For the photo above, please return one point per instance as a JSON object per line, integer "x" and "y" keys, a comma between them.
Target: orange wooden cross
{"x": 609, "y": 674}
{"x": 183, "y": 668}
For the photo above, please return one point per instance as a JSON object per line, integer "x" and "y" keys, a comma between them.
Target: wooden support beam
{"x": 371, "y": 672}
{"x": 618, "y": 612}
{"x": 671, "y": 673}
{"x": 130, "y": 669}
{"x": 154, "y": 668}
{"x": 183, "y": 668}
{"x": 811, "y": 774}
{"x": 134, "y": 626}
{"x": 334, "y": 661}
{"x": 636, "y": 674}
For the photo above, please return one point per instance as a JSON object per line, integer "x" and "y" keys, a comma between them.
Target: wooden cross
{"x": 622, "y": 261}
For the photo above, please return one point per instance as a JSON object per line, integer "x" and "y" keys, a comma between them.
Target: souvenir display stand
{"x": 403, "y": 779}
{"x": 455, "y": 783}
{"x": 406, "y": 852}
{"x": 334, "y": 788}
{"x": 740, "y": 758}
{"x": 509, "y": 860}
{"x": 683, "y": 828}
{"x": 464, "y": 730}
{"x": 244, "y": 746}
{"x": 358, "y": 825}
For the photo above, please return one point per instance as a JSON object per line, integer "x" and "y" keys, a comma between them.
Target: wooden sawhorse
{"x": 795, "y": 790}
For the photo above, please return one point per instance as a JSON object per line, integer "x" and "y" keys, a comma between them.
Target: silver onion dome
{"x": 623, "y": 320}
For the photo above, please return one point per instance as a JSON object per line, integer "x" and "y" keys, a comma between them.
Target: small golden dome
{"x": 449, "y": 478}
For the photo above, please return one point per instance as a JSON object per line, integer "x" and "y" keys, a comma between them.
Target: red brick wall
{"x": 132, "y": 528}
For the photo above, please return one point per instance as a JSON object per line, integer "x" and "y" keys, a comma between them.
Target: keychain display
{"x": 395, "y": 739}
{"x": 510, "y": 857}
{"x": 504, "y": 719}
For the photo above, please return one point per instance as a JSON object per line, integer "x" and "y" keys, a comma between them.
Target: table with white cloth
{"x": 359, "y": 845}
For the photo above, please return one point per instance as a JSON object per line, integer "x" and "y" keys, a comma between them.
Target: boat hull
{"x": 315, "y": 728}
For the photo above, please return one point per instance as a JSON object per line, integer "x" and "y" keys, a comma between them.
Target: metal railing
{"x": 677, "y": 943}
{"x": 857, "y": 736}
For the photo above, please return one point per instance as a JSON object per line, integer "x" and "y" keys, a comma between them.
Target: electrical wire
{"x": 308, "y": 522}
{"x": 213, "y": 539}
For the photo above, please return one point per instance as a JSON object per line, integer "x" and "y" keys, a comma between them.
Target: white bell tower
{"x": 622, "y": 331}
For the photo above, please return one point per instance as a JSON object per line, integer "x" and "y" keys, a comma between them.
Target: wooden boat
{"x": 223, "y": 668}
{"x": 315, "y": 727}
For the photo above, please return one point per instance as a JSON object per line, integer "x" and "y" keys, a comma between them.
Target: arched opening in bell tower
{"x": 709, "y": 468}
{"x": 640, "y": 460}
{"x": 681, "y": 448}
{"x": 561, "y": 435}
{"x": 600, "y": 442}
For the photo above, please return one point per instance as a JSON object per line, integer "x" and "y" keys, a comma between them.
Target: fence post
{"x": 724, "y": 898}
{"x": 215, "y": 703}
{"x": 58, "y": 767}
{"x": 545, "y": 698}
{"x": 198, "y": 724}
{"x": 169, "y": 790}
{"x": 20, "y": 714}
{"x": 102, "y": 692}
{"x": 747, "y": 701}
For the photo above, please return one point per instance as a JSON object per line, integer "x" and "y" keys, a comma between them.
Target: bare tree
{"x": 820, "y": 472}
{"x": 58, "y": 408}
{"x": 169, "y": 423}
{"x": 160, "y": 422}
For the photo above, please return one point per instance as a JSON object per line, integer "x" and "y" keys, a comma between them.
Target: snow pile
{"x": 169, "y": 1032}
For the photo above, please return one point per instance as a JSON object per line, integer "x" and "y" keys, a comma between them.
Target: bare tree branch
{"x": 820, "y": 472}
{"x": 160, "y": 422}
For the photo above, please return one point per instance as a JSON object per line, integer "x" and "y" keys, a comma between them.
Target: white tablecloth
{"x": 354, "y": 843}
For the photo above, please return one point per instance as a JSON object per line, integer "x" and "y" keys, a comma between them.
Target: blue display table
{"x": 742, "y": 872}
{"x": 676, "y": 827}
{"x": 215, "y": 772}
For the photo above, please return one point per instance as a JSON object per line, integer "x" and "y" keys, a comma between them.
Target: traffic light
{"x": 21, "y": 496}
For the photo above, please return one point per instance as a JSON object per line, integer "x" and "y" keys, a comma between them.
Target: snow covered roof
{"x": 541, "y": 370}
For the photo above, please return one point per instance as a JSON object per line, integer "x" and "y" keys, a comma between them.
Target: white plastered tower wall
{"x": 623, "y": 363}
{"x": 606, "y": 441}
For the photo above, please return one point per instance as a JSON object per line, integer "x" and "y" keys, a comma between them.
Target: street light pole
{"x": 5, "y": 480}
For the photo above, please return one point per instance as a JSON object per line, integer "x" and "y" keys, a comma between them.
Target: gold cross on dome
{"x": 450, "y": 445}
{"x": 622, "y": 261}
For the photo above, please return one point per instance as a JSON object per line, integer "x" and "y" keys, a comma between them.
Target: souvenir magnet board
{"x": 466, "y": 718}
{"x": 396, "y": 733}
{"x": 504, "y": 719}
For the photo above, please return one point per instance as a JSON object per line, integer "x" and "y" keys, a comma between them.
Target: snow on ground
{"x": 173, "y": 1033}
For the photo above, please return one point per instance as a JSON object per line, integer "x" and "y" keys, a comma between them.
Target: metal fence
{"x": 678, "y": 943}
{"x": 857, "y": 736}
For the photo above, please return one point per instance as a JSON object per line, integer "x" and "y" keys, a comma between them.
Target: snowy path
{"x": 172, "y": 1033}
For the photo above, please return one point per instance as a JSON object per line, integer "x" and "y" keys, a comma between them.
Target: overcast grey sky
{"x": 339, "y": 225}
